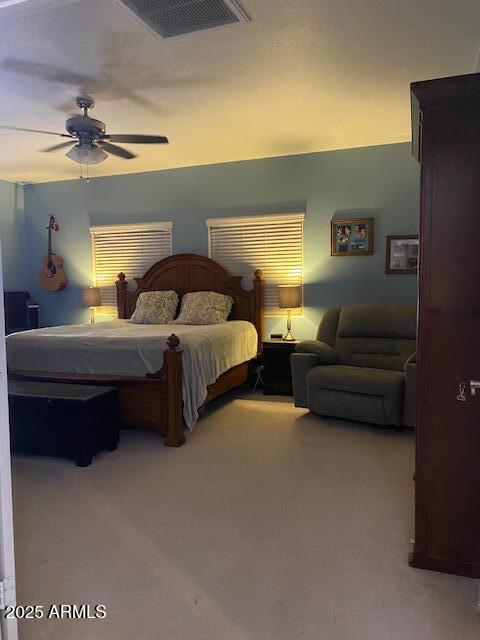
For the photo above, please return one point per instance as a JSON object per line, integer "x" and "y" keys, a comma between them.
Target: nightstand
{"x": 277, "y": 375}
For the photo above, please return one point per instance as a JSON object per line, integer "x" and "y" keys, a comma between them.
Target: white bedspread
{"x": 121, "y": 348}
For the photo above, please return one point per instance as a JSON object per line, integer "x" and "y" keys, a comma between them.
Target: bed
{"x": 126, "y": 355}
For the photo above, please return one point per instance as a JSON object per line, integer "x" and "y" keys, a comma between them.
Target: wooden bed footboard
{"x": 153, "y": 402}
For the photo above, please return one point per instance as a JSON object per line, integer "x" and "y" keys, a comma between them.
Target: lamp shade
{"x": 86, "y": 153}
{"x": 289, "y": 296}
{"x": 91, "y": 297}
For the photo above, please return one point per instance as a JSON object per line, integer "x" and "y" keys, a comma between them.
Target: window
{"x": 272, "y": 243}
{"x": 131, "y": 248}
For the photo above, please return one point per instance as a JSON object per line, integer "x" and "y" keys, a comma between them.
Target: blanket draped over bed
{"x": 120, "y": 348}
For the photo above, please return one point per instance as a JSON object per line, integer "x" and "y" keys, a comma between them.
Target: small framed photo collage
{"x": 354, "y": 237}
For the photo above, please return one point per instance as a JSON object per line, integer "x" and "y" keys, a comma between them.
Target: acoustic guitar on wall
{"x": 53, "y": 276}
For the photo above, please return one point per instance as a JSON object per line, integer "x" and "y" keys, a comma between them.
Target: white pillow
{"x": 204, "y": 307}
{"x": 155, "y": 307}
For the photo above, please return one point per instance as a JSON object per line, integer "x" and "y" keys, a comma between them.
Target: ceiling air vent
{"x": 169, "y": 18}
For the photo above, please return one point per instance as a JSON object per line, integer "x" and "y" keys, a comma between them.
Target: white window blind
{"x": 272, "y": 243}
{"x": 131, "y": 248}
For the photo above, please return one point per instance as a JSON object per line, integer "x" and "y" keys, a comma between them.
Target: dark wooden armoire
{"x": 446, "y": 140}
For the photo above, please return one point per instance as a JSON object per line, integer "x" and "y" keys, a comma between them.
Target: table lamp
{"x": 289, "y": 297}
{"x": 91, "y": 298}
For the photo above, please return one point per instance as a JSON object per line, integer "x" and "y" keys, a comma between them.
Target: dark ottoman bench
{"x": 67, "y": 420}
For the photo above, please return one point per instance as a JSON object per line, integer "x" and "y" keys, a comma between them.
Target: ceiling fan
{"x": 91, "y": 143}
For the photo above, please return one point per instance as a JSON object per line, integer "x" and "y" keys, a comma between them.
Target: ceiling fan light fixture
{"x": 87, "y": 153}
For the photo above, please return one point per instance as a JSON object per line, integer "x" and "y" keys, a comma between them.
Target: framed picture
{"x": 402, "y": 254}
{"x": 353, "y": 237}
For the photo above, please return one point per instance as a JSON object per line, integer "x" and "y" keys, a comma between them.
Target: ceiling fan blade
{"x": 116, "y": 151}
{"x": 140, "y": 139}
{"x": 55, "y": 147}
{"x": 51, "y": 133}
{"x": 45, "y": 71}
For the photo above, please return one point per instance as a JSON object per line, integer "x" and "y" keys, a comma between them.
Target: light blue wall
{"x": 12, "y": 237}
{"x": 382, "y": 181}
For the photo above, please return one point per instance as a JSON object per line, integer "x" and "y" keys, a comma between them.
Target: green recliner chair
{"x": 361, "y": 366}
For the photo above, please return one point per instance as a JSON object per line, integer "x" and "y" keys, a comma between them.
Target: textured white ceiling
{"x": 303, "y": 76}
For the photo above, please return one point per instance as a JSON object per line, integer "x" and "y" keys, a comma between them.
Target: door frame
{"x": 8, "y": 628}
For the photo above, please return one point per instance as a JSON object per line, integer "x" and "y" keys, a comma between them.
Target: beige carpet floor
{"x": 269, "y": 524}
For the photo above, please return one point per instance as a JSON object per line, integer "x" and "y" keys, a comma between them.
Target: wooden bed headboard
{"x": 186, "y": 272}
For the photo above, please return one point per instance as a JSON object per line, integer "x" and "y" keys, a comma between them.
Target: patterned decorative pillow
{"x": 155, "y": 307}
{"x": 204, "y": 307}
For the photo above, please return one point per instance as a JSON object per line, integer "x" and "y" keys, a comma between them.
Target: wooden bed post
{"x": 258, "y": 302}
{"x": 121, "y": 285}
{"x": 174, "y": 436}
